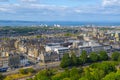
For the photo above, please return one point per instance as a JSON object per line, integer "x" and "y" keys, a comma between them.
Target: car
{"x": 3, "y": 69}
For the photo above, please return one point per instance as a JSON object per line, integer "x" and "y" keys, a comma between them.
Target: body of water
{"x": 51, "y": 23}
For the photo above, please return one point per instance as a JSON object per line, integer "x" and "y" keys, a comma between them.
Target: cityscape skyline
{"x": 64, "y": 10}
{"x": 59, "y": 39}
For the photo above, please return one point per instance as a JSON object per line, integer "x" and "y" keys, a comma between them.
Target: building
{"x": 51, "y": 46}
{"x": 97, "y": 48}
{"x": 3, "y": 61}
{"x": 23, "y": 61}
{"x": 3, "y": 64}
{"x": 33, "y": 52}
{"x": 14, "y": 60}
{"x": 48, "y": 57}
{"x": 87, "y": 49}
{"x": 107, "y": 47}
{"x": 61, "y": 51}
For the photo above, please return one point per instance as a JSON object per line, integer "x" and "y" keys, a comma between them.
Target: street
{"x": 36, "y": 67}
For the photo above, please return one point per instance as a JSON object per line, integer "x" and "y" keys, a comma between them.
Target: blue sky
{"x": 60, "y": 10}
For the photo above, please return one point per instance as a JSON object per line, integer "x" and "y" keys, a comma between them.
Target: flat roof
{"x": 61, "y": 48}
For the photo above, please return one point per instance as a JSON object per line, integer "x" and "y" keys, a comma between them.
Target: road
{"x": 48, "y": 65}
{"x": 36, "y": 67}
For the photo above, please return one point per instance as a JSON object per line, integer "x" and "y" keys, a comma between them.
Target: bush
{"x": 26, "y": 71}
{"x": 1, "y": 77}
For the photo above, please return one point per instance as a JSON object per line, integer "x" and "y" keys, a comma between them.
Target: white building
{"x": 51, "y": 46}
{"x": 61, "y": 50}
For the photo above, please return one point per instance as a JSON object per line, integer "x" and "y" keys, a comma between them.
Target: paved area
{"x": 38, "y": 66}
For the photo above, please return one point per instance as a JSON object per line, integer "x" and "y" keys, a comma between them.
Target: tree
{"x": 119, "y": 58}
{"x": 1, "y": 77}
{"x": 107, "y": 67}
{"x": 57, "y": 76}
{"x": 66, "y": 79}
{"x": 30, "y": 70}
{"x": 103, "y": 55}
{"x": 38, "y": 36}
{"x": 29, "y": 79}
{"x": 26, "y": 71}
{"x": 111, "y": 76}
{"x": 74, "y": 74}
{"x": 94, "y": 57}
{"x": 83, "y": 78}
{"x": 74, "y": 60}
{"x": 23, "y": 71}
{"x": 61, "y": 75}
{"x": 66, "y": 61}
{"x": 83, "y": 57}
{"x": 68, "y": 34}
{"x": 44, "y": 75}
{"x": 92, "y": 74}
{"x": 87, "y": 73}
{"x": 115, "y": 56}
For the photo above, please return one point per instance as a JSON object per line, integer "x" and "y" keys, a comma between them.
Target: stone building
{"x": 49, "y": 57}
{"x": 14, "y": 60}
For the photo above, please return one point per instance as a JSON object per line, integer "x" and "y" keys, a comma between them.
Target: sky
{"x": 60, "y": 10}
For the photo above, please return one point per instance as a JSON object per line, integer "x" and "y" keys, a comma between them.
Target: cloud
{"x": 111, "y": 7}
{"x": 111, "y": 2}
{"x": 3, "y": 9}
{"x": 9, "y": 8}
{"x": 36, "y": 8}
{"x": 32, "y": 9}
{"x": 29, "y": 1}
